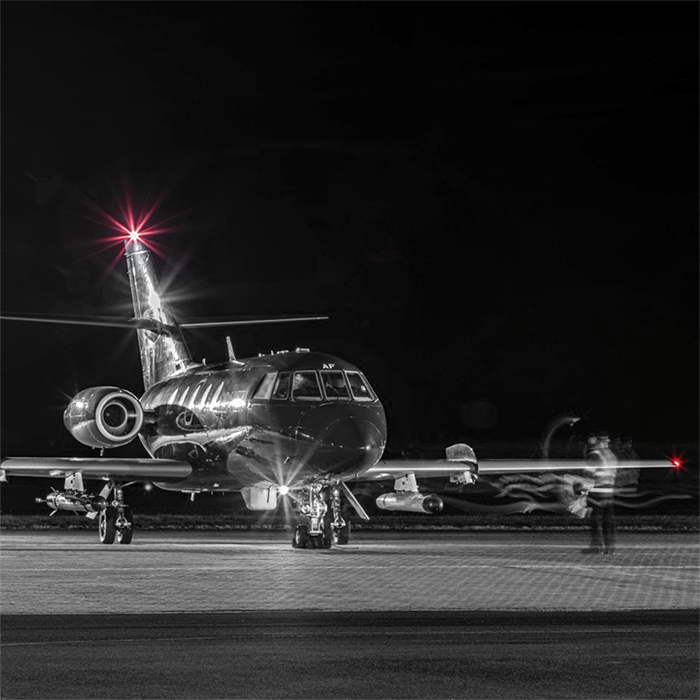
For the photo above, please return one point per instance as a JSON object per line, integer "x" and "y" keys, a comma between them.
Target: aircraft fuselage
{"x": 282, "y": 419}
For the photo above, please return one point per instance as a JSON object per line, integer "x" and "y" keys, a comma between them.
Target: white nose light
{"x": 284, "y": 490}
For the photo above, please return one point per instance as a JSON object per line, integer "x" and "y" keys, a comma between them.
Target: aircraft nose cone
{"x": 343, "y": 439}
{"x": 352, "y": 433}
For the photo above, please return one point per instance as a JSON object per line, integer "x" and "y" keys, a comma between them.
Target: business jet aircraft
{"x": 299, "y": 423}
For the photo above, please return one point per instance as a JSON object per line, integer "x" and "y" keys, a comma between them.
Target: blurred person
{"x": 627, "y": 479}
{"x": 602, "y": 468}
{"x": 616, "y": 446}
{"x": 629, "y": 453}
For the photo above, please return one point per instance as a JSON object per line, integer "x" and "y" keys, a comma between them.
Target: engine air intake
{"x": 104, "y": 416}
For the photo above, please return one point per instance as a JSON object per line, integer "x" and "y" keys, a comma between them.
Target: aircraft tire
{"x": 343, "y": 535}
{"x": 107, "y": 525}
{"x": 125, "y": 535}
{"x": 300, "y": 540}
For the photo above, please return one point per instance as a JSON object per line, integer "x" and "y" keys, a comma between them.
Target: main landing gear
{"x": 116, "y": 520}
{"x": 322, "y": 507}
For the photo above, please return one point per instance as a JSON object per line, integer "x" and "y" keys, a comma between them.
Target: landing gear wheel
{"x": 107, "y": 525}
{"x": 342, "y": 536}
{"x": 300, "y": 540}
{"x": 323, "y": 541}
{"x": 125, "y": 534}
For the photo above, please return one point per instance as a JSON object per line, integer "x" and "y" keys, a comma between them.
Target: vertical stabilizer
{"x": 163, "y": 351}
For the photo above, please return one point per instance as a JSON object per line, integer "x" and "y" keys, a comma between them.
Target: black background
{"x": 495, "y": 202}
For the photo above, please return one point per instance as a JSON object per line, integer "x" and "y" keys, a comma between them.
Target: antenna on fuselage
{"x": 229, "y": 347}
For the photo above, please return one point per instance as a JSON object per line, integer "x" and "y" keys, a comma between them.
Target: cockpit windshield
{"x": 281, "y": 386}
{"x": 335, "y": 386}
{"x": 264, "y": 388}
{"x": 306, "y": 386}
{"x": 360, "y": 388}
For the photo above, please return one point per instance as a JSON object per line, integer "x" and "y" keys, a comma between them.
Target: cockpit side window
{"x": 281, "y": 386}
{"x": 306, "y": 387}
{"x": 264, "y": 389}
{"x": 335, "y": 386}
{"x": 359, "y": 387}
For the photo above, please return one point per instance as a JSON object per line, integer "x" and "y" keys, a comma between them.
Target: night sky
{"x": 496, "y": 203}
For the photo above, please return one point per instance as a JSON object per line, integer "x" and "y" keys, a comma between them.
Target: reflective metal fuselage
{"x": 236, "y": 433}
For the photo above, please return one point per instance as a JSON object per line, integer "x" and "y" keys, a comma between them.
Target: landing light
{"x": 283, "y": 490}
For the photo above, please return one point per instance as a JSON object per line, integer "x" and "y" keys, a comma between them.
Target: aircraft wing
{"x": 426, "y": 468}
{"x": 462, "y": 468}
{"x": 105, "y": 468}
{"x": 522, "y": 466}
{"x": 422, "y": 468}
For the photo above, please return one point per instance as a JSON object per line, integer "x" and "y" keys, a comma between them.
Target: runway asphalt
{"x": 231, "y": 614}
{"x": 68, "y": 572}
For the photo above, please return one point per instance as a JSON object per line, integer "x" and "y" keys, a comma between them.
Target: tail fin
{"x": 162, "y": 347}
{"x": 163, "y": 350}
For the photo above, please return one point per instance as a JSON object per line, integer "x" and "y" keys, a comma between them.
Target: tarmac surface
{"x": 66, "y": 572}
{"x": 405, "y": 615}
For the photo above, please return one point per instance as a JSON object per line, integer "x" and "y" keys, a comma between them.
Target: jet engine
{"x": 410, "y": 502}
{"x": 104, "y": 416}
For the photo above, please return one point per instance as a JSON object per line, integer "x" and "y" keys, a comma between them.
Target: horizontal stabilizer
{"x": 100, "y": 321}
{"x": 247, "y": 320}
{"x": 151, "y": 324}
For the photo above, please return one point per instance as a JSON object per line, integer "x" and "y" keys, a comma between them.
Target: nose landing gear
{"x": 321, "y": 506}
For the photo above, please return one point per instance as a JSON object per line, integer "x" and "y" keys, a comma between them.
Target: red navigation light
{"x": 133, "y": 225}
{"x": 676, "y": 463}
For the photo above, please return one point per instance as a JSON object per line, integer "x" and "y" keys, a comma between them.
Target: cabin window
{"x": 264, "y": 389}
{"x": 335, "y": 386}
{"x": 359, "y": 387}
{"x": 281, "y": 386}
{"x": 306, "y": 387}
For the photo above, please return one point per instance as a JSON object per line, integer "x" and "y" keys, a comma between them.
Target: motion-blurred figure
{"x": 627, "y": 479}
{"x": 602, "y": 468}
{"x": 616, "y": 446}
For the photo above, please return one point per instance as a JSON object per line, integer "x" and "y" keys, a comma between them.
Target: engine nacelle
{"x": 410, "y": 502}
{"x": 104, "y": 416}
